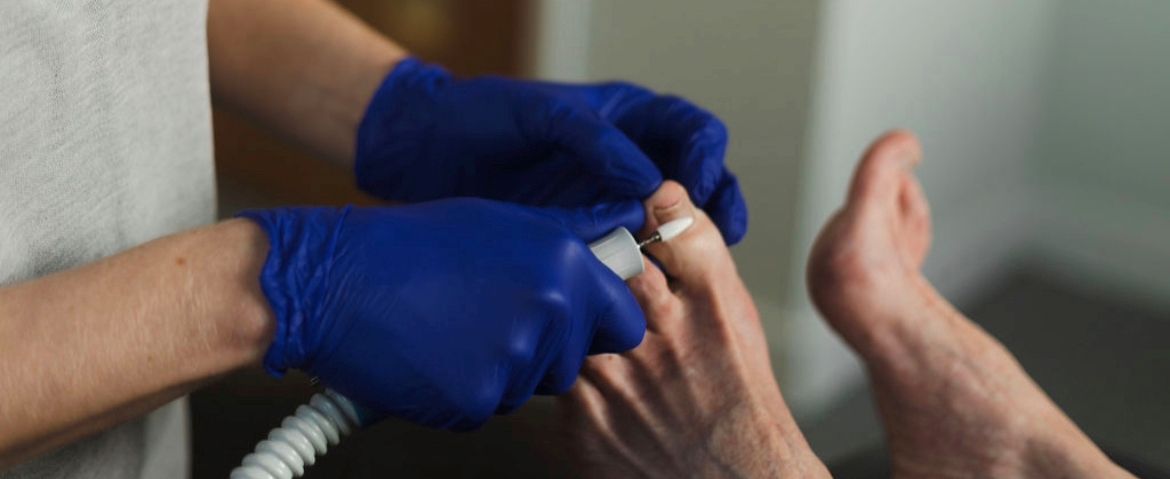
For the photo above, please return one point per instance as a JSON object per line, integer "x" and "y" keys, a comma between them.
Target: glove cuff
{"x": 294, "y": 277}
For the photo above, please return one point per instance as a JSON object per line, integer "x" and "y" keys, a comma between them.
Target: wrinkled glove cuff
{"x": 296, "y": 270}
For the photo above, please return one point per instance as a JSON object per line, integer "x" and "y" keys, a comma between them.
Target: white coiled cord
{"x": 300, "y": 438}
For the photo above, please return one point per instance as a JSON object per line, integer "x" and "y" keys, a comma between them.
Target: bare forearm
{"x": 305, "y": 68}
{"x": 85, "y": 349}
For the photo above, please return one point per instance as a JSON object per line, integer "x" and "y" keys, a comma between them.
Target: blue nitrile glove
{"x": 446, "y": 312}
{"x": 427, "y": 135}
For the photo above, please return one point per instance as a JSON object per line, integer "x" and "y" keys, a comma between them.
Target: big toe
{"x": 883, "y": 170}
{"x": 696, "y": 255}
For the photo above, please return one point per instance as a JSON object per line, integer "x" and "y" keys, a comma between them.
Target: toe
{"x": 659, "y": 304}
{"x": 695, "y": 256}
{"x": 878, "y": 178}
{"x": 915, "y": 223}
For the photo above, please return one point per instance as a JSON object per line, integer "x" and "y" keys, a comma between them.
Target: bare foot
{"x": 697, "y": 398}
{"x": 954, "y": 402}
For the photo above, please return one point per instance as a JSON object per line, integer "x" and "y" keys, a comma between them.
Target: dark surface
{"x": 230, "y": 418}
{"x": 872, "y": 464}
{"x": 1104, "y": 362}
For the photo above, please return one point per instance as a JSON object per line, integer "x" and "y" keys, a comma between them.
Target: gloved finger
{"x": 620, "y": 321}
{"x": 618, "y": 327}
{"x": 562, "y": 372}
{"x": 592, "y": 222}
{"x": 658, "y": 302}
{"x": 728, "y": 210}
{"x": 520, "y": 391}
{"x": 686, "y": 142}
{"x": 605, "y": 152}
{"x": 542, "y": 366}
{"x": 531, "y": 354}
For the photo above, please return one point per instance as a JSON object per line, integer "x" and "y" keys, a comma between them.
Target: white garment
{"x": 105, "y": 143}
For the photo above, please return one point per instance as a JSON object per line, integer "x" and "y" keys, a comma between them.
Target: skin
{"x": 128, "y": 334}
{"x": 697, "y": 398}
{"x": 953, "y": 401}
{"x": 139, "y": 329}
{"x": 88, "y": 348}
{"x": 304, "y": 68}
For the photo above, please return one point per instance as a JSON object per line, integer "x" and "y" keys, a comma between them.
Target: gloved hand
{"x": 426, "y": 135}
{"x": 444, "y": 313}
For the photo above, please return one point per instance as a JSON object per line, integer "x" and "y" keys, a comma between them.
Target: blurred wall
{"x": 966, "y": 77}
{"x": 748, "y": 61}
{"x": 1103, "y": 174}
